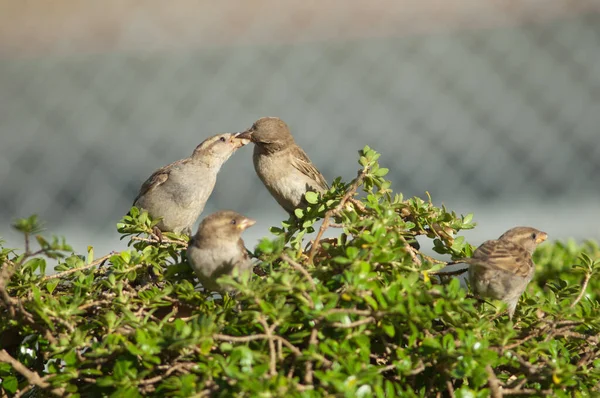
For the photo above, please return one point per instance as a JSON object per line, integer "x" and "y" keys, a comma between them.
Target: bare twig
{"x": 24, "y": 391}
{"x": 8, "y": 270}
{"x": 386, "y": 368}
{"x": 411, "y": 250}
{"x": 73, "y": 270}
{"x": 31, "y": 376}
{"x": 159, "y": 241}
{"x": 177, "y": 367}
{"x": 272, "y": 351}
{"x": 586, "y": 280}
{"x": 351, "y": 191}
{"x": 493, "y": 383}
{"x": 450, "y": 388}
{"x": 420, "y": 368}
{"x": 299, "y": 268}
{"x": 254, "y": 337}
{"x": 526, "y": 391}
{"x": 353, "y": 324}
{"x": 431, "y": 259}
{"x": 308, "y": 371}
{"x": 352, "y": 311}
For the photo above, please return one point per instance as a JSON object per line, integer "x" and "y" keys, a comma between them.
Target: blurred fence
{"x": 500, "y": 119}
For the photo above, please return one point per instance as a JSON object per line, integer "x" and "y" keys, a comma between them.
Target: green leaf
{"x": 311, "y": 197}
{"x": 10, "y": 384}
{"x": 51, "y": 285}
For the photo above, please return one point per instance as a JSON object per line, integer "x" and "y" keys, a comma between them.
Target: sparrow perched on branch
{"x": 283, "y": 167}
{"x": 217, "y": 248}
{"x": 501, "y": 269}
{"x": 178, "y": 192}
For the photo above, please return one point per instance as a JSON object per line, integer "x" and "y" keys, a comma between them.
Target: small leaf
{"x": 311, "y": 197}
{"x": 51, "y": 285}
{"x": 10, "y": 384}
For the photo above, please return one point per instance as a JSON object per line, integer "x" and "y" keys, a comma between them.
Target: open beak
{"x": 239, "y": 140}
{"x": 246, "y": 223}
{"x": 245, "y": 135}
{"x": 541, "y": 237}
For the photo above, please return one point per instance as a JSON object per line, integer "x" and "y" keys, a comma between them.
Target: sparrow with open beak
{"x": 217, "y": 248}
{"x": 282, "y": 166}
{"x": 501, "y": 269}
{"x": 178, "y": 192}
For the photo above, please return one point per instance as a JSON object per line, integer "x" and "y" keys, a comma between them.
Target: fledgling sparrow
{"x": 217, "y": 248}
{"x": 501, "y": 269}
{"x": 283, "y": 167}
{"x": 178, "y": 192}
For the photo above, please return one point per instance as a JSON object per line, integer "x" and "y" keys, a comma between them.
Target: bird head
{"x": 218, "y": 148}
{"x": 268, "y": 131}
{"x": 527, "y": 237}
{"x": 224, "y": 224}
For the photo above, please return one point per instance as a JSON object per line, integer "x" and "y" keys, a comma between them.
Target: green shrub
{"x": 363, "y": 314}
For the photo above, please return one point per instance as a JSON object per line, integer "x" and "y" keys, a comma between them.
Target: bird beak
{"x": 246, "y": 223}
{"x": 239, "y": 141}
{"x": 541, "y": 237}
{"x": 245, "y": 135}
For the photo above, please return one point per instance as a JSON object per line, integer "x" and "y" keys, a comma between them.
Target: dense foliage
{"x": 363, "y": 314}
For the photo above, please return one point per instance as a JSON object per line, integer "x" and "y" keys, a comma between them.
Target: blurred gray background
{"x": 492, "y": 107}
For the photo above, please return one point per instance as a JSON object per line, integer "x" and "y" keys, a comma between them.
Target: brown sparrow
{"x": 283, "y": 167}
{"x": 217, "y": 248}
{"x": 501, "y": 269}
{"x": 178, "y": 192}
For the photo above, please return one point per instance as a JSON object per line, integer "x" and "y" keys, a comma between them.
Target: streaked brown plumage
{"x": 283, "y": 167}
{"x": 501, "y": 269}
{"x": 218, "y": 249}
{"x": 178, "y": 192}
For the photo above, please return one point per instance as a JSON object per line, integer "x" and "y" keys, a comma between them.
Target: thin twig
{"x": 300, "y": 269}
{"x": 163, "y": 240}
{"x": 73, "y": 270}
{"x": 24, "y": 391}
{"x": 254, "y": 337}
{"x": 350, "y": 311}
{"x": 31, "y": 376}
{"x": 386, "y": 368}
{"x": 431, "y": 259}
{"x": 308, "y": 371}
{"x": 583, "y": 288}
{"x": 411, "y": 250}
{"x": 272, "y": 351}
{"x": 526, "y": 391}
{"x": 493, "y": 383}
{"x": 450, "y": 388}
{"x": 353, "y": 324}
{"x": 351, "y": 191}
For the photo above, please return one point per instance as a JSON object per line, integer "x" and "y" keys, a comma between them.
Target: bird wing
{"x": 503, "y": 255}
{"x": 303, "y": 164}
{"x": 158, "y": 178}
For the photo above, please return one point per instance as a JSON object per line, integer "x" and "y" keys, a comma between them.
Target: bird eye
{"x": 222, "y": 139}
{"x": 234, "y": 221}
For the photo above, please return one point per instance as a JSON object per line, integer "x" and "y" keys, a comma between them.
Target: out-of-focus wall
{"x": 492, "y": 107}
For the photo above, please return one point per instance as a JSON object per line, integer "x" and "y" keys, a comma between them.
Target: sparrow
{"x": 501, "y": 269}
{"x": 217, "y": 248}
{"x": 282, "y": 166}
{"x": 177, "y": 193}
